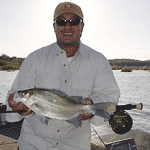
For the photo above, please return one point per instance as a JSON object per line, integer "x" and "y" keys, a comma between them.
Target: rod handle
{"x": 113, "y": 108}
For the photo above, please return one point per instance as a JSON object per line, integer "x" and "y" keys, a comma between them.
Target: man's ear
{"x": 54, "y": 26}
{"x": 82, "y": 26}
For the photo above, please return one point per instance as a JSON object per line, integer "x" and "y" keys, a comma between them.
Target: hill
{"x": 129, "y": 64}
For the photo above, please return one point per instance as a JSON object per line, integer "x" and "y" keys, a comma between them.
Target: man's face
{"x": 68, "y": 34}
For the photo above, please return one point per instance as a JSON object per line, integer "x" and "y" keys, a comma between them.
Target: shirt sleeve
{"x": 24, "y": 80}
{"x": 105, "y": 87}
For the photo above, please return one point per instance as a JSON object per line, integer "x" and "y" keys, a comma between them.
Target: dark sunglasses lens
{"x": 75, "y": 22}
{"x": 72, "y": 22}
{"x": 61, "y": 22}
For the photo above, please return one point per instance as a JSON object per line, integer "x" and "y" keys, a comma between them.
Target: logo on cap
{"x": 68, "y": 5}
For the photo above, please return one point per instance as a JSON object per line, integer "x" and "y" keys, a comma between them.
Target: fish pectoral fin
{"x": 27, "y": 96}
{"x": 75, "y": 121}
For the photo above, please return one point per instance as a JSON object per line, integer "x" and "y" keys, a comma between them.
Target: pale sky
{"x": 116, "y": 28}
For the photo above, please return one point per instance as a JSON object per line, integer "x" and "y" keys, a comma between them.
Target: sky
{"x": 116, "y": 28}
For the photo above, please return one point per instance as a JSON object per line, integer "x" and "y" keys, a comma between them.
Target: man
{"x": 69, "y": 66}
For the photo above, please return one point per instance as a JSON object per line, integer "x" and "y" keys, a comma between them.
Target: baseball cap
{"x": 68, "y": 7}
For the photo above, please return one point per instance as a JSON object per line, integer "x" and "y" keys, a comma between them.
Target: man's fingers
{"x": 11, "y": 103}
{"x": 21, "y": 106}
{"x": 10, "y": 100}
{"x": 11, "y": 97}
{"x": 27, "y": 113}
{"x": 85, "y": 116}
{"x": 16, "y": 106}
{"x": 86, "y": 101}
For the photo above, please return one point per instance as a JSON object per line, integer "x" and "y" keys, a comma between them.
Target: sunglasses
{"x": 73, "y": 22}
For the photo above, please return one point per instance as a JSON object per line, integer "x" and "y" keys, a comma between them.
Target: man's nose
{"x": 67, "y": 26}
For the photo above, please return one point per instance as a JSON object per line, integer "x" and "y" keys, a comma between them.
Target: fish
{"x": 56, "y": 104}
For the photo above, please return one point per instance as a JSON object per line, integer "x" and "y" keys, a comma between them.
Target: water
{"x": 134, "y": 87}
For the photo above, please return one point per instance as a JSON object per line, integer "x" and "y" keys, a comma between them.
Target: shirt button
{"x": 61, "y": 51}
{"x": 57, "y": 143}
{"x": 64, "y": 65}
{"x": 58, "y": 130}
{"x": 57, "y": 54}
{"x": 65, "y": 81}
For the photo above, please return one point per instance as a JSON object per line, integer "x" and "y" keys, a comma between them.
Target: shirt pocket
{"x": 47, "y": 82}
{"x": 82, "y": 87}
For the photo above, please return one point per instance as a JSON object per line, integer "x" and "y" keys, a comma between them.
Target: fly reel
{"x": 120, "y": 122}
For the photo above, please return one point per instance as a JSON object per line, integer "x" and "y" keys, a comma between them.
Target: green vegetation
{"x": 14, "y": 63}
{"x": 126, "y": 69}
{"x": 10, "y": 63}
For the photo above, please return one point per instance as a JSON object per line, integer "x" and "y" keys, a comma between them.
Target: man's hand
{"x": 85, "y": 116}
{"x": 18, "y": 106}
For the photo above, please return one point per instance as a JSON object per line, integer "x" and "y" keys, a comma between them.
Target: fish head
{"x": 23, "y": 95}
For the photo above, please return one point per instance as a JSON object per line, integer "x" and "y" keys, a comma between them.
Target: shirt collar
{"x": 82, "y": 50}
{"x": 56, "y": 49}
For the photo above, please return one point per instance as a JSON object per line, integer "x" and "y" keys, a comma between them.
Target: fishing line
{"x": 102, "y": 140}
{"x": 98, "y": 136}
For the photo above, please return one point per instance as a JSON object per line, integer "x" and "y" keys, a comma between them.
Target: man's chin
{"x": 65, "y": 42}
{"x": 68, "y": 43}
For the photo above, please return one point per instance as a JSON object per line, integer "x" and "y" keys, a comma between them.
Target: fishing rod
{"x": 113, "y": 108}
{"x": 110, "y": 108}
{"x": 3, "y": 110}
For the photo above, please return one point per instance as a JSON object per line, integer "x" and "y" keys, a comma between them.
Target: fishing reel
{"x": 120, "y": 121}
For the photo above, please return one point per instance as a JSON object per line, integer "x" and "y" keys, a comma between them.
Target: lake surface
{"x": 134, "y": 87}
